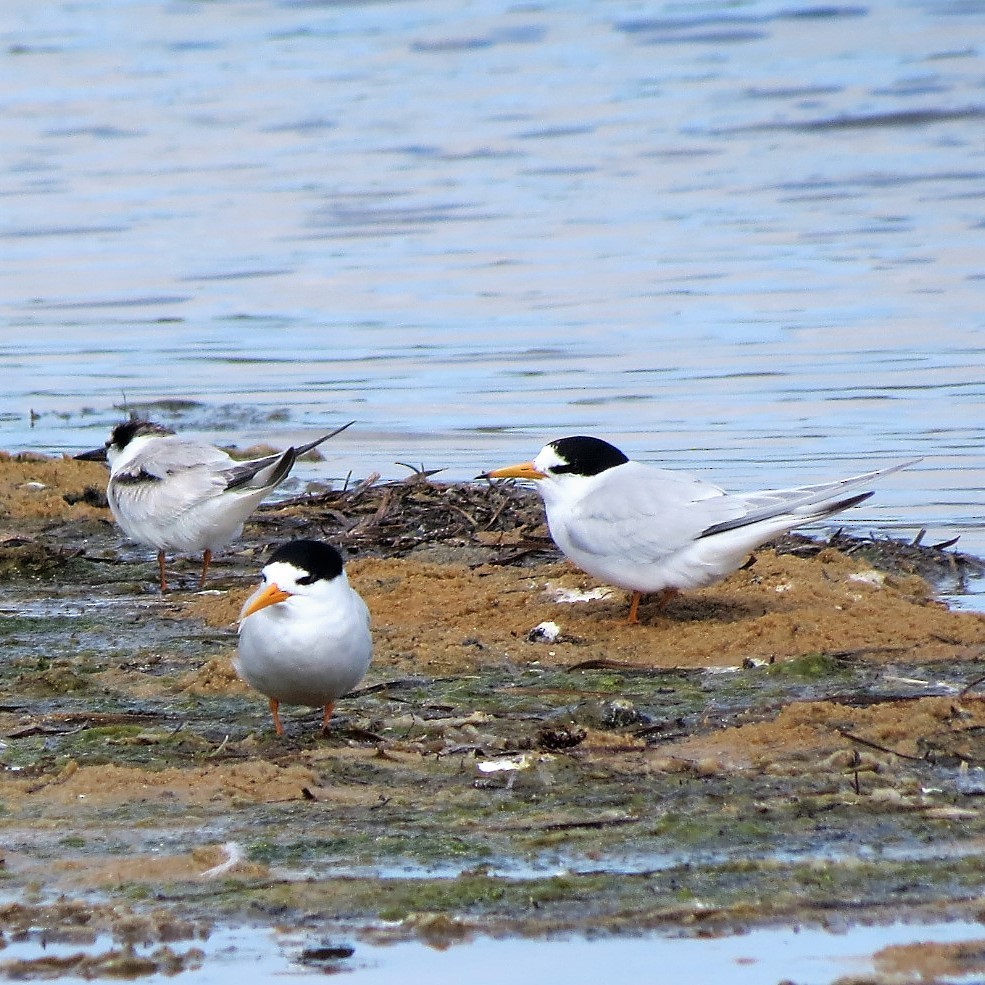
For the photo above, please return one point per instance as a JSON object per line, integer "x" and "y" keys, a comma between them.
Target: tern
{"x": 647, "y": 529}
{"x": 179, "y": 494}
{"x": 304, "y": 634}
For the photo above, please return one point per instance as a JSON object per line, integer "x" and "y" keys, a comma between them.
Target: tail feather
{"x": 284, "y": 466}
{"x": 244, "y": 473}
{"x": 302, "y": 449}
{"x": 827, "y": 490}
{"x": 805, "y": 503}
{"x": 277, "y": 467}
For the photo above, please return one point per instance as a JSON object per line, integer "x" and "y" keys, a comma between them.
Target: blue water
{"x": 744, "y": 238}
{"x": 807, "y": 955}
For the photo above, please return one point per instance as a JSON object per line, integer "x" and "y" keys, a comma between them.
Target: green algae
{"x": 813, "y": 667}
{"x": 668, "y": 897}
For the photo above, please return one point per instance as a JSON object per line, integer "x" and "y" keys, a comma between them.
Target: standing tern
{"x": 304, "y": 634}
{"x": 647, "y": 529}
{"x": 179, "y": 494}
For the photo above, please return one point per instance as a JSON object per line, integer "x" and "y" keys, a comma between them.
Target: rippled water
{"x": 739, "y": 237}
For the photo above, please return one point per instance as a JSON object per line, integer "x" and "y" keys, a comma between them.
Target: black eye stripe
{"x": 307, "y": 580}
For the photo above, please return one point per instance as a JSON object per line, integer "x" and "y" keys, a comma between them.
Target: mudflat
{"x": 803, "y": 742}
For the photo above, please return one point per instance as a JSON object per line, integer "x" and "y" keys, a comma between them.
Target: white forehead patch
{"x": 283, "y": 573}
{"x": 547, "y": 459}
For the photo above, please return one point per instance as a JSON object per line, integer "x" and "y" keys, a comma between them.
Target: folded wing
{"x": 643, "y": 514}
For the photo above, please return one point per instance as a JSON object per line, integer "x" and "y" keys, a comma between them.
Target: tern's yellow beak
{"x": 271, "y": 595}
{"x": 525, "y": 470}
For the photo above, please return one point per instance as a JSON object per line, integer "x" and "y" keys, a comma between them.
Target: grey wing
{"x": 168, "y": 456}
{"x": 802, "y": 503}
{"x": 643, "y": 514}
{"x": 168, "y": 477}
{"x": 142, "y": 500}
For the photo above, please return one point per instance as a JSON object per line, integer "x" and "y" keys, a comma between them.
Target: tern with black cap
{"x": 647, "y": 529}
{"x": 179, "y": 494}
{"x": 304, "y": 634}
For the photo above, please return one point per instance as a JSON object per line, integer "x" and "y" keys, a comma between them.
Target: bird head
{"x": 580, "y": 456}
{"x": 297, "y": 569}
{"x": 123, "y": 436}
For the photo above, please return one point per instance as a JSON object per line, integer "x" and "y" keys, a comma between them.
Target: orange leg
{"x": 275, "y": 711}
{"x": 206, "y": 561}
{"x": 329, "y": 708}
{"x": 663, "y": 597}
{"x": 164, "y": 577}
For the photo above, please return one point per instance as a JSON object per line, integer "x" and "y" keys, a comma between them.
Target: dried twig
{"x": 879, "y": 748}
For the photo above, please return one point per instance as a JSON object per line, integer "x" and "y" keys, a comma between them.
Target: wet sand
{"x": 799, "y": 743}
